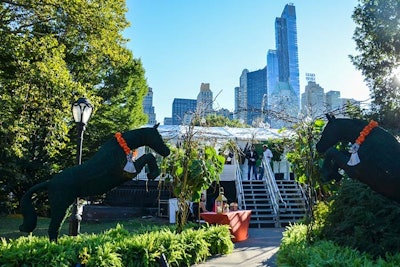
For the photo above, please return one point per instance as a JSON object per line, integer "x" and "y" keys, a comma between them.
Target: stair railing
{"x": 269, "y": 179}
{"x": 239, "y": 186}
{"x": 303, "y": 194}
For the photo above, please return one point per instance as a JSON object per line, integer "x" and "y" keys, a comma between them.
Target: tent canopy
{"x": 176, "y": 133}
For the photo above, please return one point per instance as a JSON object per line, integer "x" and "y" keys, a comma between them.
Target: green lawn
{"x": 9, "y": 225}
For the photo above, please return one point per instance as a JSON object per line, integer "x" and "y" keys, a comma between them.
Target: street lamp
{"x": 81, "y": 110}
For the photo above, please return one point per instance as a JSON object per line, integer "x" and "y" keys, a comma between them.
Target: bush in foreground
{"x": 118, "y": 247}
{"x": 357, "y": 228}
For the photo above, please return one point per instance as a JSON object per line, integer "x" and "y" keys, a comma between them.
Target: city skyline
{"x": 182, "y": 45}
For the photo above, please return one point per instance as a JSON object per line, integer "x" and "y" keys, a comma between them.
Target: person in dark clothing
{"x": 252, "y": 158}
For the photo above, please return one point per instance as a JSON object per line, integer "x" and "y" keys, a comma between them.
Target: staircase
{"x": 257, "y": 198}
{"x": 294, "y": 198}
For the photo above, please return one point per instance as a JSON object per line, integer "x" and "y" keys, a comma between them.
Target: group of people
{"x": 252, "y": 157}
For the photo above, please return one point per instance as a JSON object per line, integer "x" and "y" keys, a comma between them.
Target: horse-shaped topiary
{"x": 104, "y": 171}
{"x": 373, "y": 161}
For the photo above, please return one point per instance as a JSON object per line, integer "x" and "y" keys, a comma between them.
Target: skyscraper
{"x": 148, "y": 107}
{"x": 286, "y": 46}
{"x": 241, "y": 98}
{"x": 182, "y": 107}
{"x": 256, "y": 89}
{"x": 283, "y": 65}
{"x": 313, "y": 99}
{"x": 205, "y": 100}
{"x": 333, "y": 101}
{"x": 250, "y": 96}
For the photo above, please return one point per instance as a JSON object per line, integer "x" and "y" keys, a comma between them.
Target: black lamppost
{"x": 81, "y": 110}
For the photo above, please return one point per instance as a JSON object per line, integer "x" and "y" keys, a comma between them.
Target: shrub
{"x": 362, "y": 219}
{"x": 358, "y": 227}
{"x": 118, "y": 247}
{"x": 295, "y": 251}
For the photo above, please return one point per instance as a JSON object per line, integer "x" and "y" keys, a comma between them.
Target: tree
{"x": 53, "y": 52}
{"x": 377, "y": 37}
{"x": 190, "y": 168}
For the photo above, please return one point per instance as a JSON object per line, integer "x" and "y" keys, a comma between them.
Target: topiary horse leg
{"x": 151, "y": 162}
{"x": 330, "y": 170}
{"x": 339, "y": 160}
{"x": 59, "y": 203}
{"x": 154, "y": 171}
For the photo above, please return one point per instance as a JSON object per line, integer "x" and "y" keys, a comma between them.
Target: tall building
{"x": 237, "y": 103}
{"x": 205, "y": 100}
{"x": 224, "y": 113}
{"x": 168, "y": 121}
{"x": 283, "y": 65}
{"x": 256, "y": 93}
{"x": 333, "y": 101}
{"x": 241, "y": 98}
{"x": 250, "y": 96}
{"x": 272, "y": 71}
{"x": 148, "y": 107}
{"x": 182, "y": 107}
{"x": 313, "y": 99}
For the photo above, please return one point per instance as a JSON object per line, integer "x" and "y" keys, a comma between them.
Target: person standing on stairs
{"x": 266, "y": 159}
{"x": 252, "y": 157}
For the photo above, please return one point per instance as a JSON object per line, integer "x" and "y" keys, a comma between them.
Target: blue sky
{"x": 185, "y": 43}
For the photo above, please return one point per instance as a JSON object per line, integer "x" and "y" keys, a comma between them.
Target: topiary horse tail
{"x": 27, "y": 209}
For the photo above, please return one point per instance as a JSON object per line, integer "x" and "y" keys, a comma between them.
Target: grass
{"x": 9, "y": 226}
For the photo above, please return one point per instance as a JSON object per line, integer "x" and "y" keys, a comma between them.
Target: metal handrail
{"x": 303, "y": 193}
{"x": 239, "y": 186}
{"x": 269, "y": 179}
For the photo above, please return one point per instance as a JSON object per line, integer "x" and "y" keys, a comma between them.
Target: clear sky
{"x": 185, "y": 43}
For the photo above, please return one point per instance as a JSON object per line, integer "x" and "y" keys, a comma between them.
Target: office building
{"x": 182, "y": 107}
{"x": 241, "y": 98}
{"x": 283, "y": 68}
{"x": 333, "y": 101}
{"x": 168, "y": 121}
{"x": 148, "y": 107}
{"x": 256, "y": 93}
{"x": 313, "y": 99}
{"x": 205, "y": 100}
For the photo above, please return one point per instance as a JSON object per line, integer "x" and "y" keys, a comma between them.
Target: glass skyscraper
{"x": 256, "y": 89}
{"x": 287, "y": 50}
{"x": 182, "y": 107}
{"x": 283, "y": 67}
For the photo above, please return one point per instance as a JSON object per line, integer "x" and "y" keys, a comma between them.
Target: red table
{"x": 237, "y": 220}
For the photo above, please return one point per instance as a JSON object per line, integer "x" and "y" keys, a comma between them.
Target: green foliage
{"x": 53, "y": 52}
{"x": 303, "y": 156}
{"x": 377, "y": 40}
{"x": 295, "y": 251}
{"x": 363, "y": 219}
{"x": 277, "y": 147}
{"x": 358, "y": 227}
{"x": 219, "y": 238}
{"x": 190, "y": 169}
{"x": 118, "y": 247}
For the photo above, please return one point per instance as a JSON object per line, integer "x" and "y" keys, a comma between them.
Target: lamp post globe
{"x": 81, "y": 111}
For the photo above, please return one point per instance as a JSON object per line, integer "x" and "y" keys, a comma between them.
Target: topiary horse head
{"x": 104, "y": 171}
{"x": 373, "y": 158}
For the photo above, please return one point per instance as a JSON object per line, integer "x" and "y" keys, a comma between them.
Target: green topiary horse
{"x": 373, "y": 158}
{"x": 104, "y": 171}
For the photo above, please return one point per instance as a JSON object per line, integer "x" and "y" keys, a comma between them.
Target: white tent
{"x": 220, "y": 135}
